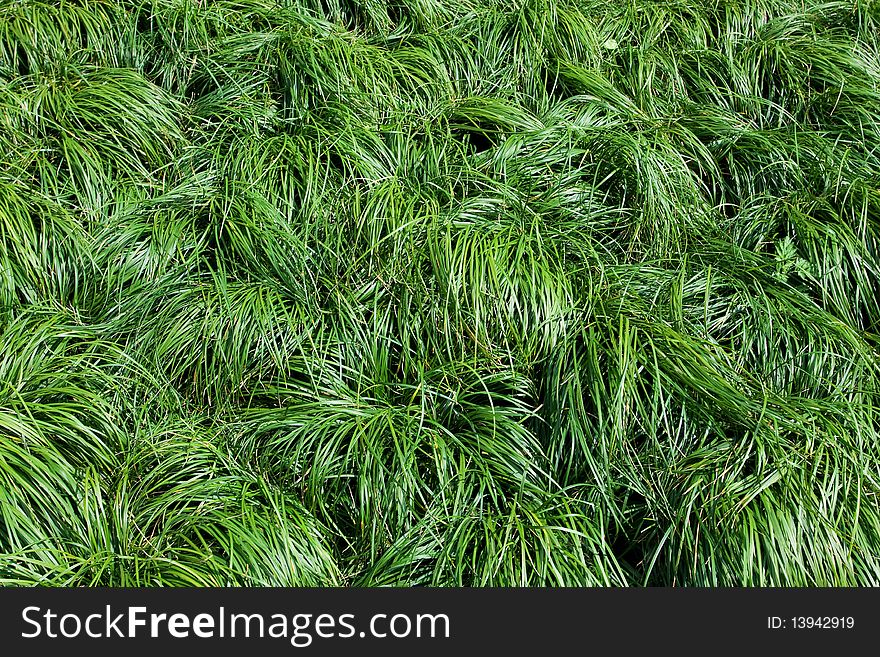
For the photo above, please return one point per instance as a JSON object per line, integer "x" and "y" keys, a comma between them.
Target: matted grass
{"x": 466, "y": 292}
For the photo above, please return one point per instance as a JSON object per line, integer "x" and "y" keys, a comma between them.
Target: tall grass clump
{"x": 457, "y": 293}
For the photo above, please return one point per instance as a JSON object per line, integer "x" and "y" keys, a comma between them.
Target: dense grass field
{"x": 455, "y": 292}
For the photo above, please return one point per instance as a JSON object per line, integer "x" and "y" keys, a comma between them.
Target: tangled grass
{"x": 468, "y": 292}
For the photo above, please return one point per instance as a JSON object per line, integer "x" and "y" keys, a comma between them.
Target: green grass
{"x": 468, "y": 292}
